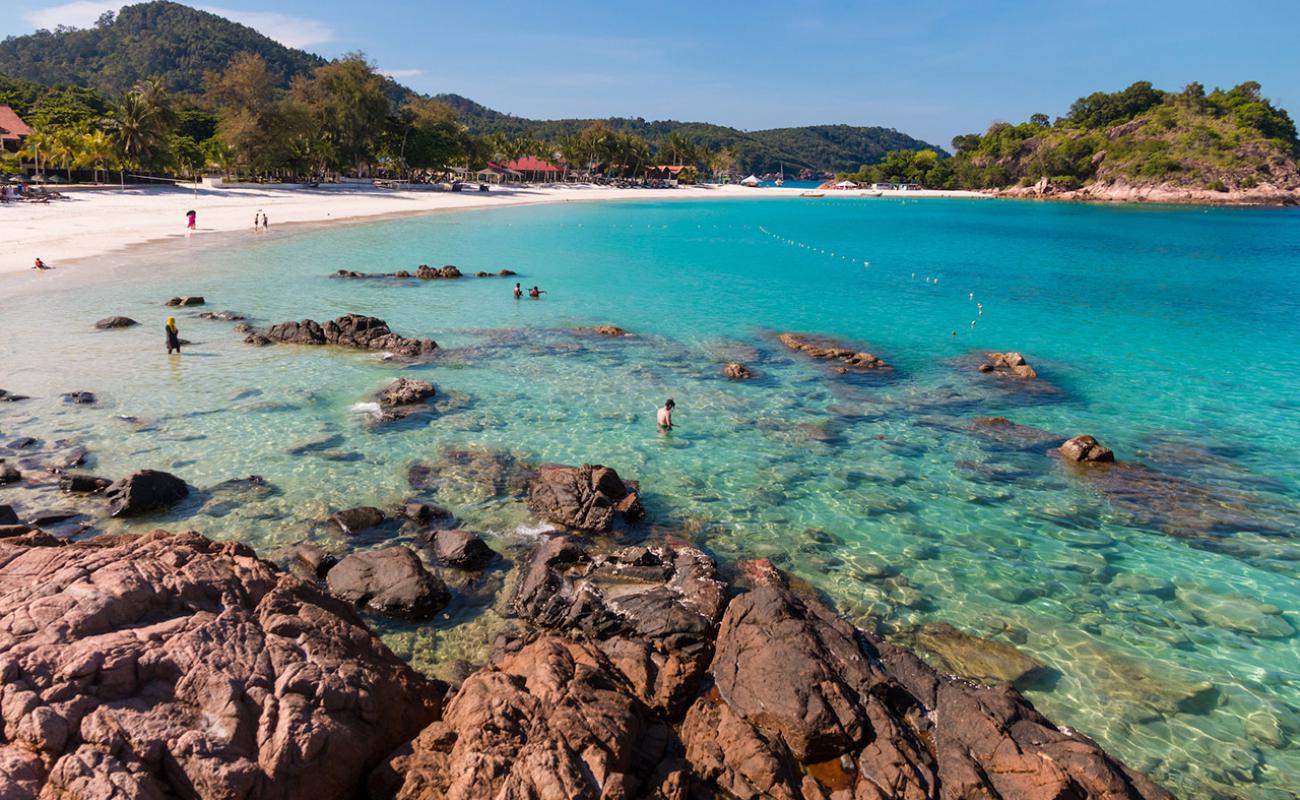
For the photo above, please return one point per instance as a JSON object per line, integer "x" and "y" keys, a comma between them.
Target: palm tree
{"x": 138, "y": 129}
{"x": 97, "y": 151}
{"x": 37, "y": 141}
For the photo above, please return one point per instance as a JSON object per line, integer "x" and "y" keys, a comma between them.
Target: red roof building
{"x": 532, "y": 164}
{"x": 12, "y": 129}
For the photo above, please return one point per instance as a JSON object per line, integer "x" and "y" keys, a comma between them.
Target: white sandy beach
{"x": 93, "y": 222}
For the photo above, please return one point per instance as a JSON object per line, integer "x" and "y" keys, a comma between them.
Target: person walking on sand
{"x": 665, "y": 415}
{"x": 190, "y": 217}
{"x": 173, "y": 336}
{"x": 519, "y": 292}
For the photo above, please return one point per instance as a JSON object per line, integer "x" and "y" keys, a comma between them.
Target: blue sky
{"x": 931, "y": 70}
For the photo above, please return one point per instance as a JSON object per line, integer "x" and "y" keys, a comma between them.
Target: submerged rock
{"x": 144, "y": 491}
{"x": 10, "y": 397}
{"x": 604, "y": 330}
{"x": 1085, "y": 449}
{"x": 80, "y": 398}
{"x": 356, "y": 520}
{"x": 390, "y": 581}
{"x": 108, "y": 323}
{"x": 825, "y": 348}
{"x": 460, "y": 549}
{"x": 1012, "y": 364}
{"x": 959, "y": 653}
{"x": 586, "y": 498}
{"x": 8, "y": 516}
{"x": 83, "y": 484}
{"x": 186, "y": 300}
{"x": 737, "y": 371}
{"x": 350, "y": 330}
{"x": 175, "y": 666}
{"x": 223, "y": 316}
{"x": 9, "y": 473}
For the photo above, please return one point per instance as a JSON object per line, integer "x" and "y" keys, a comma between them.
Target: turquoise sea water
{"x": 1163, "y": 602}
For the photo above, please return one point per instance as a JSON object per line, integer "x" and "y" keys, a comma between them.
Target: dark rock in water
{"x": 145, "y": 491}
{"x": 482, "y": 274}
{"x": 350, "y": 330}
{"x": 653, "y": 610}
{"x": 67, "y": 456}
{"x": 257, "y": 340}
{"x": 605, "y": 330}
{"x": 343, "y": 456}
{"x": 243, "y": 327}
{"x": 1082, "y": 449}
{"x": 253, "y": 484}
{"x": 737, "y": 371}
{"x": 959, "y": 653}
{"x": 9, "y": 473}
{"x": 79, "y": 398}
{"x": 224, "y": 316}
{"x": 824, "y": 348}
{"x": 390, "y": 581}
{"x": 186, "y": 300}
{"x": 1012, "y": 364}
{"x": 356, "y": 520}
{"x": 404, "y": 397}
{"x": 10, "y": 397}
{"x": 315, "y": 559}
{"x": 198, "y": 670}
{"x": 1013, "y": 434}
{"x": 83, "y": 484}
{"x": 24, "y": 443}
{"x": 506, "y": 273}
{"x": 418, "y": 513}
{"x": 45, "y": 519}
{"x": 8, "y": 516}
{"x": 425, "y": 272}
{"x": 108, "y": 323}
{"x": 350, "y": 273}
{"x": 320, "y": 443}
{"x": 585, "y": 498}
{"x": 482, "y": 473}
{"x": 460, "y": 549}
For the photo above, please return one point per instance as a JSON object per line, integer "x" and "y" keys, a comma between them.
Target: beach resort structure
{"x": 12, "y": 130}
{"x": 535, "y": 170}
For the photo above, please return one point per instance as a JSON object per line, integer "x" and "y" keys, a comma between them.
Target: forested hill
{"x": 179, "y": 45}
{"x": 819, "y": 147}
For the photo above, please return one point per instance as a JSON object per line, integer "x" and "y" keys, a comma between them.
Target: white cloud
{"x": 286, "y": 29}
{"x": 400, "y": 73}
{"x": 78, "y": 14}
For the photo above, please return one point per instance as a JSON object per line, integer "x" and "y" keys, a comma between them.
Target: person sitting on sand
{"x": 41, "y": 264}
{"x": 519, "y": 292}
{"x": 535, "y": 293}
{"x": 665, "y": 415}
{"x": 173, "y": 336}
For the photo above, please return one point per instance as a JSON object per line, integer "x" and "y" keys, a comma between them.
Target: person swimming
{"x": 665, "y": 415}
{"x": 519, "y": 292}
{"x": 173, "y": 336}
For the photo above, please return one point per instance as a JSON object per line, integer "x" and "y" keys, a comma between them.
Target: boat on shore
{"x": 812, "y": 193}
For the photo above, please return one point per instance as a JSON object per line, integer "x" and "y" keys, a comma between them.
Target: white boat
{"x": 811, "y": 193}
{"x": 872, "y": 193}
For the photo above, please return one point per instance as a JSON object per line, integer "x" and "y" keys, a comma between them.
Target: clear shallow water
{"x": 1163, "y": 606}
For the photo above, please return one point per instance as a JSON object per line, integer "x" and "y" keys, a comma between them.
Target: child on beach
{"x": 173, "y": 336}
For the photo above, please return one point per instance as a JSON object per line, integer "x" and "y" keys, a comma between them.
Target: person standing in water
{"x": 173, "y": 336}
{"x": 265, "y": 225}
{"x": 665, "y": 415}
{"x": 519, "y": 292}
{"x": 535, "y": 293}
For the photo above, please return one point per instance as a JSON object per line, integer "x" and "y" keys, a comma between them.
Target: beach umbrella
{"x": 846, "y": 185}
{"x": 750, "y": 181}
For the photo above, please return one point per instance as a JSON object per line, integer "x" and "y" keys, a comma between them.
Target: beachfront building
{"x": 535, "y": 170}
{"x": 499, "y": 173}
{"x": 12, "y": 130}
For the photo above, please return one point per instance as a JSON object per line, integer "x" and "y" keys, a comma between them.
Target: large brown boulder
{"x": 736, "y": 371}
{"x": 349, "y": 330}
{"x": 653, "y": 610}
{"x": 460, "y": 549}
{"x": 166, "y": 666}
{"x": 1009, "y": 363}
{"x": 404, "y": 397}
{"x": 391, "y": 581}
{"x": 427, "y": 273}
{"x": 1086, "y": 449}
{"x": 550, "y": 721}
{"x": 806, "y": 705}
{"x": 586, "y": 498}
{"x": 825, "y": 349}
{"x": 145, "y": 491}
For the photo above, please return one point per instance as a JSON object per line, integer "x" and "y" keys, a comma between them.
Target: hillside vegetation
{"x": 1220, "y": 141}
{"x": 177, "y": 46}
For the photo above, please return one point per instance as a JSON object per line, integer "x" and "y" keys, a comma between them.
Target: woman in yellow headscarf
{"x": 173, "y": 336}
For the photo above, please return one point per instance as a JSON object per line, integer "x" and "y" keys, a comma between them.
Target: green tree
{"x": 140, "y": 133}
{"x": 98, "y": 151}
{"x": 347, "y": 102}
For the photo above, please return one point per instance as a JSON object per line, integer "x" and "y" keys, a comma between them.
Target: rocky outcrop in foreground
{"x": 350, "y": 330}
{"x": 821, "y": 348}
{"x": 172, "y": 666}
{"x": 635, "y": 678}
{"x": 587, "y": 498}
